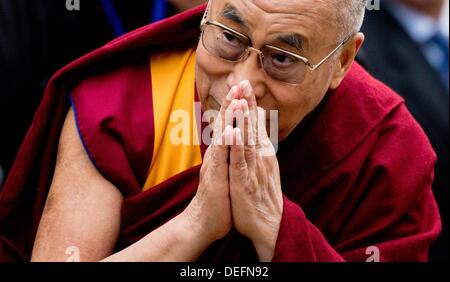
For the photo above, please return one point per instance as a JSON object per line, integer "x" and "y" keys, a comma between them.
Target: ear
{"x": 346, "y": 59}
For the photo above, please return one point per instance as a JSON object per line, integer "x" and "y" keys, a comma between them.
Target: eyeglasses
{"x": 279, "y": 64}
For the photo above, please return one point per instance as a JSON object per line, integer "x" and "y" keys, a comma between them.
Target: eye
{"x": 231, "y": 39}
{"x": 282, "y": 60}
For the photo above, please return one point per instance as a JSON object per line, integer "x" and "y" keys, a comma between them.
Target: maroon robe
{"x": 356, "y": 173}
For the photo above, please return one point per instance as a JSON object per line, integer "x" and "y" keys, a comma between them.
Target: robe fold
{"x": 356, "y": 173}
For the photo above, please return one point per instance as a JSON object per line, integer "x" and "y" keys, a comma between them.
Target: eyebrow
{"x": 231, "y": 13}
{"x": 295, "y": 40}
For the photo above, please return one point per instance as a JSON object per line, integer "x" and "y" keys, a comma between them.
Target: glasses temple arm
{"x": 206, "y": 14}
{"x": 314, "y": 67}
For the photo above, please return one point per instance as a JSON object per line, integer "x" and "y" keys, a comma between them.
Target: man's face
{"x": 267, "y": 22}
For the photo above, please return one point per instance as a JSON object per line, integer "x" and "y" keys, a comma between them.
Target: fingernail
{"x": 244, "y": 82}
{"x": 247, "y": 89}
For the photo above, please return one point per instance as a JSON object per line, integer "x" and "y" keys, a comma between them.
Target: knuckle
{"x": 240, "y": 166}
{"x": 215, "y": 162}
{"x": 250, "y": 152}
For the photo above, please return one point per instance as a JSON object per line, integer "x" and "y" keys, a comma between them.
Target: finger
{"x": 247, "y": 93}
{"x": 238, "y": 165}
{"x": 229, "y": 113}
{"x": 238, "y": 114}
{"x": 225, "y": 119}
{"x": 250, "y": 97}
{"x": 220, "y": 150}
{"x": 228, "y": 121}
{"x": 261, "y": 130}
{"x": 248, "y": 128}
{"x": 232, "y": 94}
{"x": 247, "y": 133}
{"x": 264, "y": 146}
{"x": 221, "y": 120}
{"x": 208, "y": 151}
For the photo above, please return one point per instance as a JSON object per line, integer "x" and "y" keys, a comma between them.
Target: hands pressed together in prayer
{"x": 239, "y": 188}
{"x": 239, "y": 179}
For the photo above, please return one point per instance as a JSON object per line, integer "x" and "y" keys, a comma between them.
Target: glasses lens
{"x": 224, "y": 43}
{"x": 231, "y": 46}
{"x": 282, "y": 66}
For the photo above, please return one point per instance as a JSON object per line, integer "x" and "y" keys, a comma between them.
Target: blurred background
{"x": 407, "y": 47}
{"x": 38, "y": 37}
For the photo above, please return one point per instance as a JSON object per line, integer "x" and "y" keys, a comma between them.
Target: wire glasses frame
{"x": 249, "y": 48}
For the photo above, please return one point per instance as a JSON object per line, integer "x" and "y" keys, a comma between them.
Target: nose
{"x": 249, "y": 69}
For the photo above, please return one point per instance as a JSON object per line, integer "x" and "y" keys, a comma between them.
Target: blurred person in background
{"x": 407, "y": 48}
{"x": 1, "y": 177}
{"x": 36, "y": 39}
{"x": 39, "y": 37}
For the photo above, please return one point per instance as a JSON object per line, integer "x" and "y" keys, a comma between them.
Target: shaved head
{"x": 348, "y": 14}
{"x": 356, "y": 11}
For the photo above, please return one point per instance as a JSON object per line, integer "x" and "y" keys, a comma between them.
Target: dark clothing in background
{"x": 393, "y": 57}
{"x": 36, "y": 39}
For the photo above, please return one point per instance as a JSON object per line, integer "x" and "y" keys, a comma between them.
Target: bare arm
{"x": 83, "y": 211}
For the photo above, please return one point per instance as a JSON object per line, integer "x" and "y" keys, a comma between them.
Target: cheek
{"x": 296, "y": 105}
{"x": 210, "y": 75}
{"x": 202, "y": 82}
{"x": 315, "y": 87}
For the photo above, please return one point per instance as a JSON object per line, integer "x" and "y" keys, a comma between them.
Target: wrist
{"x": 192, "y": 229}
{"x": 265, "y": 242}
{"x": 265, "y": 248}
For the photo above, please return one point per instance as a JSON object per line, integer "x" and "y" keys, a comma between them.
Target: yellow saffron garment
{"x": 173, "y": 86}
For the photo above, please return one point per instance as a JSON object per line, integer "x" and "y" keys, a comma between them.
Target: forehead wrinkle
{"x": 304, "y": 17}
{"x": 294, "y": 7}
{"x": 291, "y": 25}
{"x": 318, "y": 12}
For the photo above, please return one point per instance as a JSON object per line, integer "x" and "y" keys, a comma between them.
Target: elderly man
{"x": 350, "y": 181}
